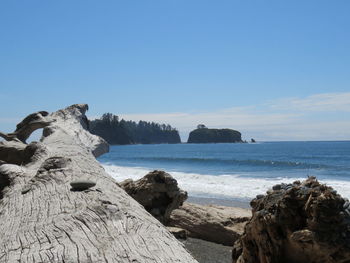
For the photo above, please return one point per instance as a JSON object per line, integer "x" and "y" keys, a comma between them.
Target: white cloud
{"x": 319, "y": 102}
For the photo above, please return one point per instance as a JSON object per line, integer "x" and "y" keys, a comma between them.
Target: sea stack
{"x": 205, "y": 135}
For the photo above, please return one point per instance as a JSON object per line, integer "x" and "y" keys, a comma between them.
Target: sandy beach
{"x": 208, "y": 252}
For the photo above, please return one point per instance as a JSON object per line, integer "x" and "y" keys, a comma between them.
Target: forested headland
{"x": 120, "y": 131}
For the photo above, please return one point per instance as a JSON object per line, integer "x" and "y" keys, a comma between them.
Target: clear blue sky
{"x": 147, "y": 57}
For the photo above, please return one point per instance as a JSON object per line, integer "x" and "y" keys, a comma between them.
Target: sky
{"x": 274, "y": 70}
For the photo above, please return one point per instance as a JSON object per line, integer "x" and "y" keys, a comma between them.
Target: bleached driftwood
{"x": 44, "y": 220}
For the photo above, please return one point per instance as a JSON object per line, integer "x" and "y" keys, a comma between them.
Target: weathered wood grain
{"x": 44, "y": 220}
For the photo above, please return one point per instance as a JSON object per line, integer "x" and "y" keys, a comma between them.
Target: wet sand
{"x": 208, "y": 252}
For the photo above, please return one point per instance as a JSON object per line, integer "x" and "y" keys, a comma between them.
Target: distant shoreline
{"x": 230, "y": 142}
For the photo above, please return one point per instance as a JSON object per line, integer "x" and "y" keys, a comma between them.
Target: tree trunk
{"x": 44, "y": 219}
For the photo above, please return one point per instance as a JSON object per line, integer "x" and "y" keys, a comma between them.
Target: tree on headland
{"x": 116, "y": 131}
{"x": 201, "y": 126}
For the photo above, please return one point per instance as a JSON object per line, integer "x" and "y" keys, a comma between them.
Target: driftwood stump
{"x": 157, "y": 192}
{"x": 304, "y": 222}
{"x": 44, "y": 219}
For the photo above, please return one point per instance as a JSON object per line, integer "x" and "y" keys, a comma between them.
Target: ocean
{"x": 234, "y": 171}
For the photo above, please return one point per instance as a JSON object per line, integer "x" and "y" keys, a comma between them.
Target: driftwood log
{"x": 57, "y": 204}
{"x": 214, "y": 223}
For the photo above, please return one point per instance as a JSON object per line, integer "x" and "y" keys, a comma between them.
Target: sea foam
{"x": 220, "y": 186}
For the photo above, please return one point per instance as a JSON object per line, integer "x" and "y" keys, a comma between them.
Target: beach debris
{"x": 214, "y": 223}
{"x": 158, "y": 192}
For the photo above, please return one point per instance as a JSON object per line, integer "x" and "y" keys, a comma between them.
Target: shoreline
{"x": 218, "y": 201}
{"x": 222, "y": 189}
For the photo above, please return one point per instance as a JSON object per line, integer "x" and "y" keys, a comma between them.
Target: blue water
{"x": 266, "y": 162}
{"x": 270, "y": 159}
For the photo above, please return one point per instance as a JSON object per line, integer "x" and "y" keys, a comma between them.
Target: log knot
{"x": 55, "y": 162}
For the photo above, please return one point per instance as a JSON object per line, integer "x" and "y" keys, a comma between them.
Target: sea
{"x": 234, "y": 171}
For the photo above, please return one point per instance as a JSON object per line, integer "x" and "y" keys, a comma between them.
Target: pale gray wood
{"x": 214, "y": 223}
{"x": 43, "y": 220}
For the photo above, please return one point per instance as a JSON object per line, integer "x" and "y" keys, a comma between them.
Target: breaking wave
{"x": 224, "y": 186}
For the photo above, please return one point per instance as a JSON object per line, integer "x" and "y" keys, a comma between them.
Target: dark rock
{"x": 81, "y": 185}
{"x": 304, "y": 223}
{"x": 157, "y": 192}
{"x": 205, "y": 135}
{"x": 277, "y": 187}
